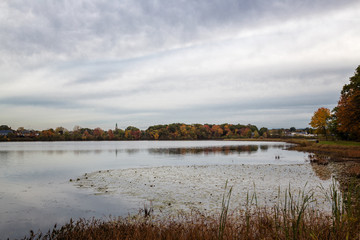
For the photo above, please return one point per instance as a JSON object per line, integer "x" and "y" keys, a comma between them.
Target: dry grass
{"x": 319, "y": 159}
{"x": 291, "y": 218}
{"x": 354, "y": 171}
{"x": 259, "y": 224}
{"x": 337, "y": 152}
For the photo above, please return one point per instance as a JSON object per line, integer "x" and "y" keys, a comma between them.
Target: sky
{"x": 95, "y": 63}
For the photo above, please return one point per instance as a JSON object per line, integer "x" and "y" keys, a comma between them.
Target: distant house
{"x": 5, "y": 132}
{"x": 300, "y": 134}
{"x": 26, "y": 133}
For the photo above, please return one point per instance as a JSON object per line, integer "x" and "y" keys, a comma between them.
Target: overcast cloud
{"x": 95, "y": 63}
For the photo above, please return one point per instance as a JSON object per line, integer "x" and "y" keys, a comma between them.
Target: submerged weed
{"x": 147, "y": 210}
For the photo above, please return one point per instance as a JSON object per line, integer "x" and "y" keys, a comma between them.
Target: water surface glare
{"x": 35, "y": 191}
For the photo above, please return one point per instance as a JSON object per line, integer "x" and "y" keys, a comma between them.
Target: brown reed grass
{"x": 354, "y": 171}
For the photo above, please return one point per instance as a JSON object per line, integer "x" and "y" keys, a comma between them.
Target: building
{"x": 5, "y": 132}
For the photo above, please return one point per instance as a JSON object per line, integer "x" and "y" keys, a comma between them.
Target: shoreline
{"x": 335, "y": 151}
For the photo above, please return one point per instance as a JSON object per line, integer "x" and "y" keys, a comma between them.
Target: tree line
{"x": 174, "y": 131}
{"x": 343, "y": 122}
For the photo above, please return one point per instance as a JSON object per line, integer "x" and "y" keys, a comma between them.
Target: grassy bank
{"x": 340, "y": 143}
{"x": 336, "y": 150}
{"x": 291, "y": 218}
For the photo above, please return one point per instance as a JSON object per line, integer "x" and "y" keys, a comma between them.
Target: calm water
{"x": 35, "y": 191}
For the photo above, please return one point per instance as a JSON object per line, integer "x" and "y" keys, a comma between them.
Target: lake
{"x": 36, "y": 191}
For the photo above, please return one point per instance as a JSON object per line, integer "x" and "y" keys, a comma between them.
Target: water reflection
{"x": 224, "y": 150}
{"x": 208, "y": 150}
{"x": 264, "y": 148}
{"x": 4, "y": 158}
{"x": 132, "y": 151}
{"x": 116, "y": 150}
{"x": 80, "y": 152}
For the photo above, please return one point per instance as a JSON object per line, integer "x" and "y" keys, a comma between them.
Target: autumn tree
{"x": 227, "y": 130}
{"x": 320, "y": 121}
{"x": 132, "y": 133}
{"x": 183, "y": 131}
{"x": 76, "y": 134}
{"x": 245, "y": 132}
{"x": 217, "y": 131}
{"x": 20, "y": 129}
{"x": 5, "y": 127}
{"x": 263, "y": 131}
{"x": 86, "y": 136}
{"x": 60, "y": 130}
{"x": 348, "y": 110}
{"x": 202, "y": 132}
{"x": 47, "y": 135}
{"x": 98, "y": 133}
{"x": 110, "y": 134}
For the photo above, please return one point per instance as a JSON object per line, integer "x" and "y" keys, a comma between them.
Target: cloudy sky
{"x": 95, "y": 63}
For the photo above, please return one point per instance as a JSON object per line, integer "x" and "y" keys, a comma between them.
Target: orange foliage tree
{"x": 245, "y": 132}
{"x": 98, "y": 133}
{"x": 86, "y": 135}
{"x": 320, "y": 121}
{"x": 217, "y": 131}
{"x": 110, "y": 134}
{"x": 348, "y": 109}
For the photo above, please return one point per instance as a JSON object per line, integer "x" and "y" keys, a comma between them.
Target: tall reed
{"x": 224, "y": 210}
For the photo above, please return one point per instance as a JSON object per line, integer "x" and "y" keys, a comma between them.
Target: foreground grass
{"x": 292, "y": 218}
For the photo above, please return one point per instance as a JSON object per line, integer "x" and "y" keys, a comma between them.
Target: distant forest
{"x": 175, "y": 131}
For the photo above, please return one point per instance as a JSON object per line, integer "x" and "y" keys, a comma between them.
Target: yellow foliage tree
{"x": 320, "y": 121}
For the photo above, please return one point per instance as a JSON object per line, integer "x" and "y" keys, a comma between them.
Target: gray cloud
{"x": 147, "y": 62}
{"x": 121, "y": 29}
{"x": 36, "y": 101}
